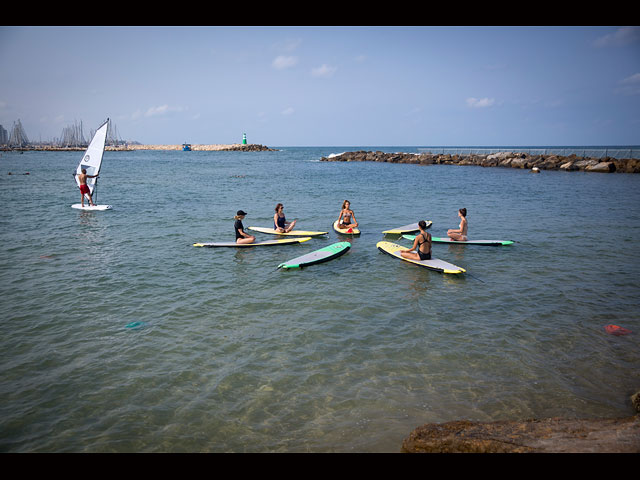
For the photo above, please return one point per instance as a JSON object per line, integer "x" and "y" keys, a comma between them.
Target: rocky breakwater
{"x": 501, "y": 159}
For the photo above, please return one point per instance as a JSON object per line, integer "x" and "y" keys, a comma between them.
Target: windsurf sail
{"x": 92, "y": 158}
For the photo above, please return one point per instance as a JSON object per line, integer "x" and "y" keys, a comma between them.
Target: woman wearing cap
{"x": 242, "y": 237}
{"x": 280, "y": 223}
{"x": 460, "y": 234}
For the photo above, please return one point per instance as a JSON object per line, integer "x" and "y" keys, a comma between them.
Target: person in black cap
{"x": 242, "y": 237}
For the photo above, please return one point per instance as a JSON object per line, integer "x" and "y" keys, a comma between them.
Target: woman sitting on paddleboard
{"x": 280, "y": 223}
{"x": 242, "y": 237}
{"x": 346, "y": 219}
{"x": 460, "y": 234}
{"x": 421, "y": 245}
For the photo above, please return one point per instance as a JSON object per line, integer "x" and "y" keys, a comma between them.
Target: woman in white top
{"x": 460, "y": 234}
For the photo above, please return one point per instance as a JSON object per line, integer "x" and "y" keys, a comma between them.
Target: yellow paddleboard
{"x": 343, "y": 231}
{"x": 435, "y": 264}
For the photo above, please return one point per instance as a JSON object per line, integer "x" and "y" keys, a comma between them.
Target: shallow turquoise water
{"x": 118, "y": 335}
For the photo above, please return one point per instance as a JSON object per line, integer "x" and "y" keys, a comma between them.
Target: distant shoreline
{"x": 132, "y": 147}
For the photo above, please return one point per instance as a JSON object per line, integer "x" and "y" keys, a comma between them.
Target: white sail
{"x": 92, "y": 159}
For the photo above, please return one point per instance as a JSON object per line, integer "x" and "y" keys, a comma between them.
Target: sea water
{"x": 117, "y": 335}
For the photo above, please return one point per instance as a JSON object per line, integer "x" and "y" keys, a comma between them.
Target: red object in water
{"x": 350, "y": 230}
{"x": 616, "y": 330}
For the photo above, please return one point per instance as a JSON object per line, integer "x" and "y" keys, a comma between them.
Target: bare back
{"x": 463, "y": 227}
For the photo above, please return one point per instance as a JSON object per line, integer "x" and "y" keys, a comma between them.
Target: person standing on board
{"x": 242, "y": 237}
{"x": 84, "y": 188}
{"x": 421, "y": 249}
{"x": 346, "y": 219}
{"x": 460, "y": 234}
{"x": 280, "y": 223}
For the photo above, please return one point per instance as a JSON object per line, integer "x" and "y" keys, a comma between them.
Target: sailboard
{"x": 345, "y": 231}
{"x": 492, "y": 243}
{"x": 411, "y": 228}
{"x": 324, "y": 254}
{"x": 92, "y": 162}
{"x": 434, "y": 264}
{"x": 299, "y": 233}
{"x": 283, "y": 241}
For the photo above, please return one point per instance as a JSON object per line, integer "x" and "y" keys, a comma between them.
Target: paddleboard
{"x": 322, "y": 255}
{"x": 411, "y": 228}
{"x": 492, "y": 243}
{"x": 283, "y": 241}
{"x": 300, "y": 233}
{"x": 435, "y": 264}
{"x": 90, "y": 207}
{"x": 345, "y": 231}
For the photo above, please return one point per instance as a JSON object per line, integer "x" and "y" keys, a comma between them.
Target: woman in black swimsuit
{"x": 242, "y": 237}
{"x": 421, "y": 245}
{"x": 280, "y": 223}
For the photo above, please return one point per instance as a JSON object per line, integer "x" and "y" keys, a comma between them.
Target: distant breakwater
{"x": 501, "y": 159}
{"x": 132, "y": 147}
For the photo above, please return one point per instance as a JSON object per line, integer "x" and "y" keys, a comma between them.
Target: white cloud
{"x": 622, "y": 36}
{"x": 288, "y": 45}
{"x": 480, "y": 102}
{"x": 633, "y": 79}
{"x": 630, "y": 85}
{"x": 323, "y": 70}
{"x": 283, "y": 61}
{"x": 160, "y": 110}
{"x": 156, "y": 111}
{"x": 288, "y": 111}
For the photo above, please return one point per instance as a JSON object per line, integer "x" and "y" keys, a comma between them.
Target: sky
{"x": 327, "y": 86}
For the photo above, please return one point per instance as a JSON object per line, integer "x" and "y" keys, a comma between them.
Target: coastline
{"x": 131, "y": 147}
{"x": 502, "y": 159}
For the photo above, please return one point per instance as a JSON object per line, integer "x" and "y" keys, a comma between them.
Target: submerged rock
{"x": 549, "y": 435}
{"x": 552, "y": 435}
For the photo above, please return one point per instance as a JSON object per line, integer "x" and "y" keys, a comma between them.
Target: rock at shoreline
{"x": 552, "y": 435}
{"x": 501, "y": 159}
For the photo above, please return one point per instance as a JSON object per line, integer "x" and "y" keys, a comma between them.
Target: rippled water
{"x": 117, "y": 335}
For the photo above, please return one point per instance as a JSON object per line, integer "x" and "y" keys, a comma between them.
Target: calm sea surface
{"x": 117, "y": 335}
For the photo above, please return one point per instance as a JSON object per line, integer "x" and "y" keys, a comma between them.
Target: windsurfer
{"x": 84, "y": 188}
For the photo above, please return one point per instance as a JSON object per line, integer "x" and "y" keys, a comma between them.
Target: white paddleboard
{"x": 411, "y": 228}
{"x": 492, "y": 243}
{"x": 91, "y": 208}
{"x": 434, "y": 264}
{"x": 299, "y": 233}
{"x": 283, "y": 241}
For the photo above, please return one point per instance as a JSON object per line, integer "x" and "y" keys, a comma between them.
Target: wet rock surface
{"x": 552, "y": 435}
